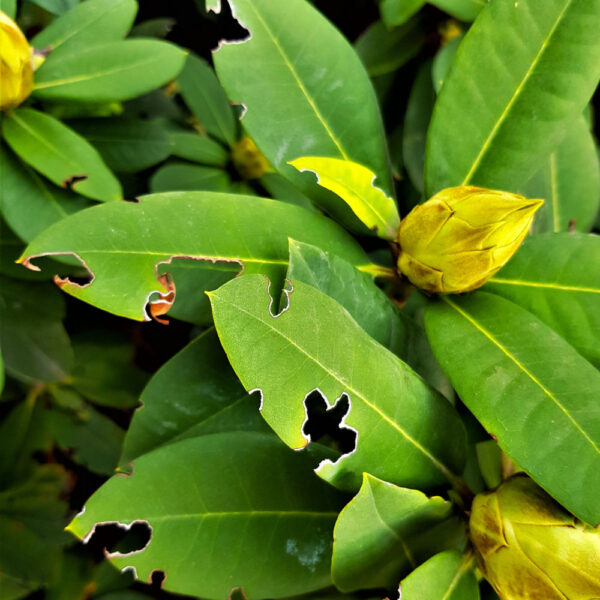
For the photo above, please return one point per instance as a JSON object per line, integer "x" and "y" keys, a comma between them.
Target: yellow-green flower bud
{"x": 248, "y": 160}
{"x": 16, "y": 70}
{"x": 529, "y": 548}
{"x": 462, "y": 236}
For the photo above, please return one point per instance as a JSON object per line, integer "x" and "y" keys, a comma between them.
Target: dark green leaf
{"x": 110, "y": 71}
{"x": 57, "y": 7}
{"x": 60, "y": 154}
{"x": 122, "y": 243}
{"x": 91, "y": 22}
{"x": 196, "y": 393}
{"x": 530, "y": 389}
{"x": 199, "y": 148}
{"x": 249, "y": 510}
{"x": 397, "y": 12}
{"x": 465, "y": 10}
{"x": 420, "y": 441}
{"x": 511, "y": 93}
{"x": 183, "y": 177}
{"x": 386, "y": 531}
{"x": 126, "y": 145}
{"x": 443, "y": 61}
{"x": 555, "y": 276}
{"x": 206, "y": 98}
{"x": 9, "y": 7}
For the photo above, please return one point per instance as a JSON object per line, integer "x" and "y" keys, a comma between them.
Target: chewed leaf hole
{"x": 116, "y": 538}
{"x": 229, "y": 29}
{"x": 157, "y": 579}
{"x": 324, "y": 423}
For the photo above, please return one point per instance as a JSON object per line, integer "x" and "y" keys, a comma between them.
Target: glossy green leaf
{"x": 103, "y": 369}
{"x": 122, "y": 243}
{"x": 32, "y": 521}
{"x": 511, "y": 93}
{"x": 91, "y": 22}
{"x": 198, "y": 148}
{"x": 446, "y": 576}
{"x": 569, "y": 181}
{"x": 315, "y": 99}
{"x": 386, "y": 531}
{"x": 110, "y": 71}
{"x": 443, "y": 61}
{"x": 416, "y": 122}
{"x": 283, "y": 189}
{"x": 397, "y": 12}
{"x": 465, "y": 10}
{"x": 529, "y": 388}
{"x": 160, "y": 27}
{"x": 1, "y": 372}
{"x": 556, "y": 278}
{"x": 9, "y": 7}
{"x": 337, "y": 358}
{"x": 195, "y": 393}
{"x": 60, "y": 154}
{"x": 385, "y": 50}
{"x": 35, "y": 346}
{"x": 57, "y": 7}
{"x": 28, "y": 203}
{"x": 354, "y": 184}
{"x": 253, "y": 515}
{"x": 205, "y": 97}
{"x": 184, "y": 176}
{"x": 126, "y": 145}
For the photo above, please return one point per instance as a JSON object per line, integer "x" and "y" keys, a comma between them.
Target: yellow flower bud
{"x": 529, "y": 548}
{"x": 248, "y": 160}
{"x": 462, "y": 236}
{"x": 16, "y": 70}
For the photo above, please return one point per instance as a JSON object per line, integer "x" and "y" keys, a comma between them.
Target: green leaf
{"x": 183, "y": 176}
{"x": 569, "y": 181}
{"x": 122, "y": 243}
{"x": 195, "y": 393}
{"x": 354, "y": 184}
{"x": 315, "y": 97}
{"x": 60, "y": 154}
{"x": 282, "y": 189}
{"x": 416, "y": 121}
{"x": 530, "y": 389}
{"x": 160, "y": 27}
{"x": 384, "y": 50}
{"x": 103, "y": 369}
{"x": 554, "y": 276}
{"x": 443, "y": 61}
{"x": 511, "y": 93}
{"x": 446, "y": 576}
{"x": 126, "y": 145}
{"x": 57, "y": 7}
{"x": 205, "y": 97}
{"x": 336, "y": 358}
{"x": 32, "y": 521}
{"x": 110, "y": 71}
{"x": 28, "y": 203}
{"x": 199, "y": 148}
{"x": 397, "y": 12}
{"x": 386, "y": 531}
{"x": 253, "y": 515}
{"x": 464, "y": 10}
{"x": 88, "y": 23}
{"x": 9, "y": 7}
{"x": 35, "y": 346}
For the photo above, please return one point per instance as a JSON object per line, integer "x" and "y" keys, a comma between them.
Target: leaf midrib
{"x": 545, "y": 285}
{"x": 244, "y": 513}
{"x": 487, "y": 143}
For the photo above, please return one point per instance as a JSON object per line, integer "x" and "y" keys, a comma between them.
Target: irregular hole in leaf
{"x": 324, "y": 423}
{"x": 237, "y": 593}
{"x": 157, "y": 579}
{"x": 70, "y": 182}
{"x": 60, "y": 280}
{"x": 118, "y": 539}
{"x": 232, "y": 30}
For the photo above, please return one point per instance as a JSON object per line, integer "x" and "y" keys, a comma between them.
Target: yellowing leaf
{"x": 354, "y": 184}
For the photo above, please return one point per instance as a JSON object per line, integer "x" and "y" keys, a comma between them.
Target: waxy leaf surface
{"x": 313, "y": 98}
{"x": 529, "y": 388}
{"x": 387, "y": 531}
{"x": 247, "y": 509}
{"x": 556, "y": 277}
{"x": 123, "y": 243}
{"x": 523, "y": 72}
{"x": 407, "y": 433}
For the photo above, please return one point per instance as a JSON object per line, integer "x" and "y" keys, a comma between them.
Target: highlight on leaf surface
{"x": 462, "y": 236}
{"x": 16, "y": 67}
{"x": 528, "y": 546}
{"x": 354, "y": 184}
